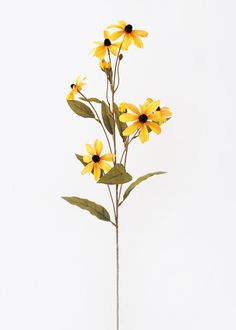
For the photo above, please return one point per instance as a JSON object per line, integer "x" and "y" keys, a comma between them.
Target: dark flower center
{"x": 143, "y": 118}
{"x": 107, "y": 42}
{"x": 95, "y": 158}
{"x": 72, "y": 86}
{"x": 158, "y": 109}
{"x": 128, "y": 28}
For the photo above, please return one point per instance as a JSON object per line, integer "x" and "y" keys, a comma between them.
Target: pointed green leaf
{"x": 138, "y": 181}
{"x": 90, "y": 99}
{"x": 81, "y": 109}
{"x": 117, "y": 175}
{"x": 80, "y": 158}
{"x": 107, "y": 117}
{"x": 95, "y": 209}
{"x": 121, "y": 126}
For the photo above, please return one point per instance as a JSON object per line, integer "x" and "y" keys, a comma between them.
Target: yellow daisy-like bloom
{"x": 105, "y": 65}
{"x": 123, "y": 107}
{"x": 129, "y": 34}
{"x": 161, "y": 113}
{"x": 101, "y": 50}
{"x": 76, "y": 88}
{"x": 143, "y": 118}
{"x": 96, "y": 162}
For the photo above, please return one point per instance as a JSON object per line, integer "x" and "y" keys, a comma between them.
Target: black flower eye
{"x": 107, "y": 42}
{"x": 96, "y": 158}
{"x": 128, "y": 28}
{"x": 143, "y": 118}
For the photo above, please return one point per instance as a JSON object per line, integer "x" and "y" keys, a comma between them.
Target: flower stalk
{"x": 114, "y": 121}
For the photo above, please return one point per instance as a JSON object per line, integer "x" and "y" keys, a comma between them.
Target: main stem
{"x": 117, "y": 267}
{"x": 113, "y": 90}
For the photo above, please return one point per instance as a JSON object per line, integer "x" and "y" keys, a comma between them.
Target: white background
{"x": 178, "y": 262}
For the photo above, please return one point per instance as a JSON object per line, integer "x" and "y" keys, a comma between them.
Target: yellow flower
{"x": 129, "y": 34}
{"x": 96, "y": 162}
{"x": 143, "y": 118}
{"x": 76, "y": 88}
{"x": 101, "y": 50}
{"x": 105, "y": 65}
{"x": 123, "y": 107}
{"x": 161, "y": 113}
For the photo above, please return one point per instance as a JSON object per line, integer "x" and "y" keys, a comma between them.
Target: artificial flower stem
{"x": 112, "y": 200}
{"x": 112, "y": 86}
{"x": 107, "y": 97}
{"x": 118, "y": 75}
{"x": 117, "y": 265}
{"x": 115, "y": 70}
{"x": 125, "y": 154}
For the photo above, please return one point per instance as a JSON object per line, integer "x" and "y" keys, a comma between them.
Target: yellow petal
{"x": 133, "y": 108}
{"x": 108, "y": 157}
{"x": 153, "y": 116}
{"x": 116, "y": 35}
{"x": 89, "y": 149}
{"x": 127, "y": 41}
{"x": 143, "y": 135}
{"x": 80, "y": 80}
{"x": 113, "y": 49}
{"x": 87, "y": 158}
{"x": 98, "y": 146}
{"x": 100, "y": 51}
{"x": 137, "y": 41}
{"x": 104, "y": 166}
{"x": 166, "y": 112}
{"x": 106, "y": 34}
{"x": 122, "y": 23}
{"x": 154, "y": 127}
{"x": 148, "y": 100}
{"x": 114, "y": 26}
{"x": 71, "y": 96}
{"x": 88, "y": 168}
{"x": 128, "y": 117}
{"x": 141, "y": 33}
{"x": 131, "y": 129}
{"x": 96, "y": 172}
{"x": 123, "y": 107}
{"x": 151, "y": 107}
{"x": 159, "y": 117}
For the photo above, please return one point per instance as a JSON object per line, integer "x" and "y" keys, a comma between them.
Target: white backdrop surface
{"x": 178, "y": 247}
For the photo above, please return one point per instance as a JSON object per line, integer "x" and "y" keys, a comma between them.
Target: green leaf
{"x": 81, "y": 109}
{"x": 138, "y": 181}
{"x": 80, "y": 158}
{"x": 121, "y": 126}
{"x": 107, "y": 117}
{"x": 95, "y": 209}
{"x": 90, "y": 99}
{"x": 117, "y": 175}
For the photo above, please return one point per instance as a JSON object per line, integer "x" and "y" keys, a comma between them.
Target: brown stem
{"x": 117, "y": 267}
{"x": 112, "y": 200}
{"x": 113, "y": 90}
{"x": 125, "y": 154}
{"x": 118, "y": 75}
